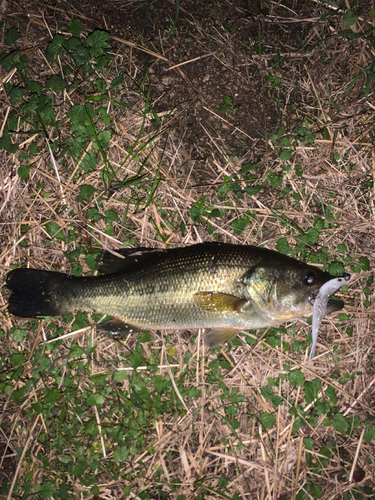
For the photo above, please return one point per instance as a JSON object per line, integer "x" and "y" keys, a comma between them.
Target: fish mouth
{"x": 334, "y": 305}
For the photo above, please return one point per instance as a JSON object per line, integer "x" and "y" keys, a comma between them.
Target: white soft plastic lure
{"x": 320, "y": 306}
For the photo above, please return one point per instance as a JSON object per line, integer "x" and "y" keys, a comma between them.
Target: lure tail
{"x": 36, "y": 293}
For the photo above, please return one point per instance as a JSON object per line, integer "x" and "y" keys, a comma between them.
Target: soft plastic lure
{"x": 320, "y": 306}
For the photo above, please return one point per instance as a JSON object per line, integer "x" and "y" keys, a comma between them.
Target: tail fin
{"x": 35, "y": 293}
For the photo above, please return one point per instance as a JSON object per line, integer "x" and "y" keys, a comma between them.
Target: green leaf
{"x": 364, "y": 263}
{"x": 71, "y": 44}
{"x": 19, "y": 334}
{"x": 195, "y": 213}
{"x": 298, "y": 346}
{"x": 316, "y": 490}
{"x": 101, "y": 62}
{"x": 297, "y": 378}
{"x": 343, "y": 316}
{"x": 253, "y": 190}
{"x": 82, "y": 55}
{"x": 297, "y": 424}
{"x": 276, "y": 180}
{"x": 19, "y": 394}
{"x": 12, "y": 36}
{"x": 311, "y": 390}
{"x": 23, "y": 172}
{"x": 80, "y": 321}
{"x": 53, "y": 229}
{"x": 74, "y": 27}
{"x": 9, "y": 62}
{"x": 15, "y": 95}
{"x": 93, "y": 214}
{"x": 103, "y": 139}
{"x": 53, "y": 396}
{"x": 267, "y": 393}
{"x": 17, "y": 359}
{"x": 76, "y": 351}
{"x": 86, "y": 191}
{"x": 267, "y": 420}
{"x": 47, "y": 490}
{"x": 309, "y": 443}
{"x": 239, "y": 225}
{"x": 340, "y": 423}
{"x": 6, "y": 143}
{"x": 95, "y": 491}
{"x": 101, "y": 85}
{"x": 331, "y": 393}
{"x": 322, "y": 408}
{"x": 92, "y": 259}
{"x": 56, "y": 83}
{"x": 44, "y": 363}
{"x": 77, "y": 115}
{"x": 97, "y": 42}
{"x": 110, "y": 216}
{"x": 79, "y": 468}
{"x": 144, "y": 337}
{"x": 349, "y": 18}
{"x": 31, "y": 104}
{"x": 369, "y": 433}
{"x": 116, "y": 82}
{"x": 286, "y": 154}
{"x": 97, "y": 98}
{"x": 55, "y": 47}
{"x": 121, "y": 453}
{"x": 109, "y": 229}
{"x": 310, "y": 137}
{"x": 319, "y": 224}
{"x": 95, "y": 399}
{"x": 312, "y": 236}
{"x": 336, "y": 269}
{"x": 77, "y": 269}
{"x": 282, "y": 245}
{"x": 120, "y": 375}
{"x": 326, "y": 135}
{"x": 356, "y": 268}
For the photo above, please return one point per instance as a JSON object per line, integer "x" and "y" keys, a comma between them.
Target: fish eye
{"x": 310, "y": 278}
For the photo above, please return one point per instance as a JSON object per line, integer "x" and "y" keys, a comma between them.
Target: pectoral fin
{"x": 217, "y": 336}
{"x": 219, "y": 302}
{"x": 117, "y": 327}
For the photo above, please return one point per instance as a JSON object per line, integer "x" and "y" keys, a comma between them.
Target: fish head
{"x": 287, "y": 291}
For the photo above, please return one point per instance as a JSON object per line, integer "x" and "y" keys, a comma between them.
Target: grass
{"x": 90, "y": 161}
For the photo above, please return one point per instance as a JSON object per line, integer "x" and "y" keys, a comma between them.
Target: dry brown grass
{"x": 195, "y": 444}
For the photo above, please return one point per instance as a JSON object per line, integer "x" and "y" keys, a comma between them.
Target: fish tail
{"x": 37, "y": 293}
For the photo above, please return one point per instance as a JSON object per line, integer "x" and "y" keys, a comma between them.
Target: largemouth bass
{"x": 220, "y": 287}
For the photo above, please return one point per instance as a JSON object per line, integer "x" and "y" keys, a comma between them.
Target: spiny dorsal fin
{"x": 109, "y": 262}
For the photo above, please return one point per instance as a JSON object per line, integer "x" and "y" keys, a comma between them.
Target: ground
{"x": 159, "y": 124}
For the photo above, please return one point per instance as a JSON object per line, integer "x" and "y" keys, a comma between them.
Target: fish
{"x": 222, "y": 288}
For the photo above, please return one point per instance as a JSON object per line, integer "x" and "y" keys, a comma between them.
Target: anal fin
{"x": 117, "y": 327}
{"x": 217, "y": 336}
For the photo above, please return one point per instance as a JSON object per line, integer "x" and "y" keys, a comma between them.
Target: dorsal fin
{"x": 109, "y": 262}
